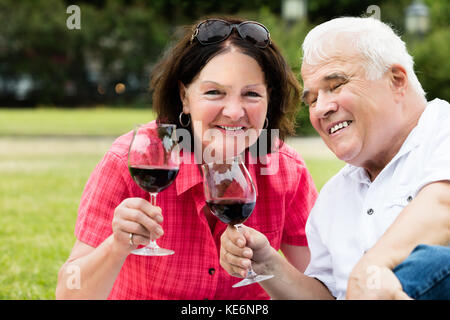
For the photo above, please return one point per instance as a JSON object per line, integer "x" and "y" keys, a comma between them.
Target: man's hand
{"x": 238, "y": 247}
{"x": 369, "y": 281}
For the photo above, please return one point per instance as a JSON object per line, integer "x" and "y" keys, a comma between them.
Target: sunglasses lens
{"x": 254, "y": 33}
{"x": 212, "y": 31}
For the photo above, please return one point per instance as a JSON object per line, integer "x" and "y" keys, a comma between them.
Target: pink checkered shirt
{"x": 283, "y": 203}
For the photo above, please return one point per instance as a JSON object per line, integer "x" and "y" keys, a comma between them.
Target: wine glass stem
{"x": 250, "y": 273}
{"x": 153, "y": 195}
{"x": 153, "y": 198}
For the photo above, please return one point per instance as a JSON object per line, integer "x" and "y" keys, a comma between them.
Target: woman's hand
{"x": 138, "y": 217}
{"x": 238, "y": 247}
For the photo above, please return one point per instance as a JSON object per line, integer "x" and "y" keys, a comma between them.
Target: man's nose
{"x": 325, "y": 106}
{"x": 233, "y": 109}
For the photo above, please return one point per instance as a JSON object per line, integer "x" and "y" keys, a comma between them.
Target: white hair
{"x": 374, "y": 40}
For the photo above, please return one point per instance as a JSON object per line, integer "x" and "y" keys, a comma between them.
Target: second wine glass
{"x": 153, "y": 161}
{"x": 231, "y": 197}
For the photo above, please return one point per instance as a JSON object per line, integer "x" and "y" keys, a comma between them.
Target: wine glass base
{"x": 149, "y": 251}
{"x": 255, "y": 279}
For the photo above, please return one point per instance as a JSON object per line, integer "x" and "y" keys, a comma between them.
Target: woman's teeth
{"x": 231, "y": 128}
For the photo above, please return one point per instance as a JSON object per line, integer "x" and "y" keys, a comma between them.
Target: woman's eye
{"x": 252, "y": 94}
{"x": 212, "y": 92}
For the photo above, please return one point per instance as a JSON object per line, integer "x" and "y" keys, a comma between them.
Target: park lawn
{"x": 72, "y": 122}
{"x": 42, "y": 182}
{"x": 39, "y": 194}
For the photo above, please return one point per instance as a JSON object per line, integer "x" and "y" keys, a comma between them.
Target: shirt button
{"x": 211, "y": 271}
{"x": 370, "y": 212}
{"x": 409, "y": 199}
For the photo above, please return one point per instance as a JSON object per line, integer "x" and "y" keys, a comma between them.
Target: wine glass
{"x": 231, "y": 197}
{"x": 153, "y": 161}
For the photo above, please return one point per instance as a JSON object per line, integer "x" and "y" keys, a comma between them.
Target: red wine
{"x": 231, "y": 211}
{"x": 153, "y": 179}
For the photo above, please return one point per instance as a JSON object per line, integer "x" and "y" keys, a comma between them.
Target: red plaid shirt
{"x": 283, "y": 203}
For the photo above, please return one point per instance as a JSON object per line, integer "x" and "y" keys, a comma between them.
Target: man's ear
{"x": 183, "y": 98}
{"x": 398, "y": 79}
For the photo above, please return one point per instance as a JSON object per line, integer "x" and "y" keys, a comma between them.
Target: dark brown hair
{"x": 184, "y": 61}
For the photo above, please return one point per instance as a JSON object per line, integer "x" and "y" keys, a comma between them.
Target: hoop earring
{"x": 266, "y": 123}
{"x": 180, "y": 119}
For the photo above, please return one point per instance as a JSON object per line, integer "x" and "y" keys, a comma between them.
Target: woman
{"x": 225, "y": 76}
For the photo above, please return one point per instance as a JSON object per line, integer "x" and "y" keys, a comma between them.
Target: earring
{"x": 266, "y": 123}
{"x": 180, "y": 119}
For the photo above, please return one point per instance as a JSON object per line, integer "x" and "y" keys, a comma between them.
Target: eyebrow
{"x": 221, "y": 85}
{"x": 336, "y": 76}
{"x": 327, "y": 78}
{"x": 213, "y": 82}
{"x": 305, "y": 95}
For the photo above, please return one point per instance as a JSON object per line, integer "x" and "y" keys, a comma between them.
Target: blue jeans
{"x": 425, "y": 274}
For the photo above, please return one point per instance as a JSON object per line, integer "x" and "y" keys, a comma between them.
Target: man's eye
{"x": 312, "y": 103}
{"x": 337, "y": 86}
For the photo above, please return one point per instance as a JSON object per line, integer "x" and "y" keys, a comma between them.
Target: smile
{"x": 339, "y": 126}
{"x": 231, "y": 128}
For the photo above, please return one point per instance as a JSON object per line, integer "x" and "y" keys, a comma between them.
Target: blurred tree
{"x": 120, "y": 40}
{"x": 34, "y": 41}
{"x": 432, "y": 63}
{"x": 122, "y": 43}
{"x": 322, "y": 10}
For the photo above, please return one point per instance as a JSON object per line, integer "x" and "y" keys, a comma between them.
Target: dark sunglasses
{"x": 214, "y": 31}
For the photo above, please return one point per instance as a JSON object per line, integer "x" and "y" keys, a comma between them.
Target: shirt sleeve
{"x": 320, "y": 266}
{"x": 437, "y": 163}
{"x": 105, "y": 189}
{"x": 298, "y": 209}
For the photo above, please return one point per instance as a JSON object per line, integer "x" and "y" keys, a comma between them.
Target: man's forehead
{"x": 325, "y": 73}
{"x": 332, "y": 69}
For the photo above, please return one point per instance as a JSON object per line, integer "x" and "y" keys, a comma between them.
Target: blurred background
{"x": 69, "y": 85}
{"x": 108, "y": 60}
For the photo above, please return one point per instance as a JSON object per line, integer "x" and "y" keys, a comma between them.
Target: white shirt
{"x": 352, "y": 213}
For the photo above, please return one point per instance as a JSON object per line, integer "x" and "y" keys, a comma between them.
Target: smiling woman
{"x": 224, "y": 78}
{"x": 233, "y": 106}
{"x": 210, "y": 39}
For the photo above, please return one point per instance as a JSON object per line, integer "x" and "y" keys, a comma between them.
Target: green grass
{"x": 322, "y": 169}
{"x": 42, "y": 179}
{"x": 39, "y": 192}
{"x": 52, "y": 121}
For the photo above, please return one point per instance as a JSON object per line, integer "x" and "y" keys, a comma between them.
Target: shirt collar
{"x": 190, "y": 174}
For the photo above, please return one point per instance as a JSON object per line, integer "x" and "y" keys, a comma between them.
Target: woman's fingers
{"x": 143, "y": 205}
{"x": 147, "y": 226}
{"x": 136, "y": 240}
{"x": 138, "y": 217}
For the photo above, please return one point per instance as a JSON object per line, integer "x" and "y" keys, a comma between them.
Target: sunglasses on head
{"x": 214, "y": 31}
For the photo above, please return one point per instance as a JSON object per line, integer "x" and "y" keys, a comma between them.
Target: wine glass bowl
{"x": 153, "y": 162}
{"x": 231, "y": 196}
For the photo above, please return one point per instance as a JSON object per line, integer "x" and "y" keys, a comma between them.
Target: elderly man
{"x": 380, "y": 228}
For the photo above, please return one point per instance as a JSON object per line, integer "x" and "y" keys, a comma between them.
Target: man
{"x": 380, "y": 227}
